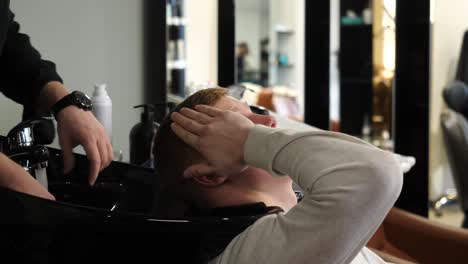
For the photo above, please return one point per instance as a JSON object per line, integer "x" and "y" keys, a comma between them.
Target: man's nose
{"x": 265, "y": 120}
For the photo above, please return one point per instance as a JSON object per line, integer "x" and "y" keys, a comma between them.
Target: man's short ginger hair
{"x": 171, "y": 155}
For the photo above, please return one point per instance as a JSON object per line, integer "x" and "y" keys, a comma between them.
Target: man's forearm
{"x": 52, "y": 93}
{"x": 349, "y": 187}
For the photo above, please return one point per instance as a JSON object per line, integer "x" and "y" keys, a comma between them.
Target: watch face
{"x": 83, "y": 100}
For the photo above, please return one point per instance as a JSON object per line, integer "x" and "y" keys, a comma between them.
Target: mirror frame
{"x": 317, "y": 64}
{"x": 411, "y": 104}
{"x": 226, "y": 43}
{"x": 155, "y": 55}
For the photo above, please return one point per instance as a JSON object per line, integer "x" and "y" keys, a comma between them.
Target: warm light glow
{"x": 388, "y": 25}
{"x": 387, "y": 73}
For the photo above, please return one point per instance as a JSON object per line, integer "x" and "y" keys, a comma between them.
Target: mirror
{"x": 252, "y": 41}
{"x": 448, "y": 187}
{"x": 269, "y": 62}
{"x": 362, "y": 69}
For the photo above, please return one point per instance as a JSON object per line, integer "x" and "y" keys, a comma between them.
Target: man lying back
{"x": 214, "y": 153}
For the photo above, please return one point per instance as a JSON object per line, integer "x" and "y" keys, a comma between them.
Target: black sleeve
{"x": 23, "y": 73}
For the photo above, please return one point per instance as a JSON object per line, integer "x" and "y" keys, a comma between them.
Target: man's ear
{"x": 204, "y": 175}
{"x": 265, "y": 120}
{"x": 210, "y": 181}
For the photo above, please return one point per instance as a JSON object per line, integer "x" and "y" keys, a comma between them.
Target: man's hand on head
{"x": 219, "y": 136}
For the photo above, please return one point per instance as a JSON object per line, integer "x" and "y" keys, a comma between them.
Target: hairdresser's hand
{"x": 219, "y": 135}
{"x": 77, "y": 127}
{"x": 14, "y": 177}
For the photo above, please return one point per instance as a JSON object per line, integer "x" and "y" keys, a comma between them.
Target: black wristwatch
{"x": 75, "y": 98}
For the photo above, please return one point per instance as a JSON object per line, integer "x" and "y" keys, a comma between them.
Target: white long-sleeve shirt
{"x": 349, "y": 187}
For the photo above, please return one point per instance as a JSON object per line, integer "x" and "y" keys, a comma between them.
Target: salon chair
{"x": 404, "y": 237}
{"x": 454, "y": 125}
{"x": 455, "y": 132}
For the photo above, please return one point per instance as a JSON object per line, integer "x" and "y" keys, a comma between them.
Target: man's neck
{"x": 235, "y": 197}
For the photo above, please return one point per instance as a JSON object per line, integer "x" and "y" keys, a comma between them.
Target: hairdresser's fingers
{"x": 198, "y": 170}
{"x": 92, "y": 151}
{"x": 209, "y": 110}
{"x": 103, "y": 154}
{"x": 110, "y": 152}
{"x": 201, "y": 118}
{"x": 187, "y": 123}
{"x": 185, "y": 135}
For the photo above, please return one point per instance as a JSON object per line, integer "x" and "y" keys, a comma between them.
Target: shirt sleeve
{"x": 23, "y": 73}
{"x": 349, "y": 188}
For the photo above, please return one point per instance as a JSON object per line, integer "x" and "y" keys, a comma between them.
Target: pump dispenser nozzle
{"x": 142, "y": 135}
{"x": 148, "y": 112}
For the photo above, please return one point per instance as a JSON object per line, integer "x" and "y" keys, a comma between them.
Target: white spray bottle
{"x": 102, "y": 108}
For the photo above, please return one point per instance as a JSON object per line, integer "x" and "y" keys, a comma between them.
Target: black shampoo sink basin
{"x": 120, "y": 187}
{"x": 106, "y": 195}
{"x": 113, "y": 221}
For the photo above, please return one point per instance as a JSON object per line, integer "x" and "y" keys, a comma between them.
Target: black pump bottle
{"x": 142, "y": 136}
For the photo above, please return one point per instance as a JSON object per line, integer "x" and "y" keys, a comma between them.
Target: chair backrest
{"x": 462, "y": 69}
{"x": 455, "y": 133}
{"x": 456, "y": 97}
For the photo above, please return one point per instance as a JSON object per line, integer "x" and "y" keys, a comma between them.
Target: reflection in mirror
{"x": 270, "y": 54}
{"x": 176, "y": 62}
{"x": 448, "y": 189}
{"x": 191, "y": 47}
{"x": 383, "y": 71}
{"x": 362, "y": 67}
{"x": 252, "y": 41}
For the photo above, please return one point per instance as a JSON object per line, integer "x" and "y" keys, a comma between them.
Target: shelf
{"x": 356, "y": 80}
{"x": 289, "y": 32}
{"x": 176, "y": 64}
{"x": 276, "y": 64}
{"x": 286, "y": 66}
{"x": 284, "y": 30}
{"x": 357, "y": 26}
{"x": 176, "y": 21}
{"x": 174, "y": 98}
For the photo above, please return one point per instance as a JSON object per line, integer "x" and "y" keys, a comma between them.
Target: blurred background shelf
{"x": 173, "y": 98}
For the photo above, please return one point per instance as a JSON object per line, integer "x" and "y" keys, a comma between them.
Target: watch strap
{"x": 70, "y": 99}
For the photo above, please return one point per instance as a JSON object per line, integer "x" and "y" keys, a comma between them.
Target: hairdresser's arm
{"x": 13, "y": 177}
{"x": 27, "y": 77}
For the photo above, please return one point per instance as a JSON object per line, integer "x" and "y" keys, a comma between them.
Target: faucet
{"x": 24, "y": 145}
